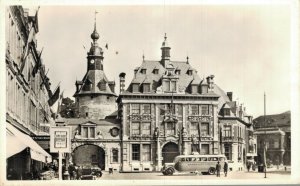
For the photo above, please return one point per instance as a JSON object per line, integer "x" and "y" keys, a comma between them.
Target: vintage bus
{"x": 194, "y": 163}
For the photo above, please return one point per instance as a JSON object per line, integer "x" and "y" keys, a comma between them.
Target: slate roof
{"x": 276, "y": 120}
{"x": 95, "y": 76}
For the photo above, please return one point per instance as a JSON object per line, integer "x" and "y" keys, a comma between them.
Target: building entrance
{"x": 169, "y": 152}
{"x": 89, "y": 156}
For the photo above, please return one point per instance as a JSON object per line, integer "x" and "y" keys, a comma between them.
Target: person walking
{"x": 218, "y": 169}
{"x": 79, "y": 172}
{"x": 225, "y": 168}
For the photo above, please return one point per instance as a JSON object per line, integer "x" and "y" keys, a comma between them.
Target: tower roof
{"x": 165, "y": 42}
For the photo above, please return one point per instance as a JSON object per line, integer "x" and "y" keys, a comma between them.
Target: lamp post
{"x": 265, "y": 144}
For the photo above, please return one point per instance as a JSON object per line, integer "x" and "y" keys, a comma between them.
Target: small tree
{"x": 67, "y": 108}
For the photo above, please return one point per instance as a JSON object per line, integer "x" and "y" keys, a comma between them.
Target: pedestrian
{"x": 218, "y": 169}
{"x": 225, "y": 168}
{"x": 63, "y": 170}
{"x": 72, "y": 171}
{"x": 79, "y": 172}
{"x": 248, "y": 166}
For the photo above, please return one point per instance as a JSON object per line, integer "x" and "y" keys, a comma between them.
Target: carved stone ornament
{"x": 199, "y": 118}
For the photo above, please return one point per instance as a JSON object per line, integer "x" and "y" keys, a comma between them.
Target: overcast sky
{"x": 247, "y": 48}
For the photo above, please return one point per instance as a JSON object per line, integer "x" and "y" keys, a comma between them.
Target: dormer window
{"x": 194, "y": 89}
{"x": 135, "y": 87}
{"x": 146, "y": 87}
{"x": 170, "y": 86}
{"x": 177, "y": 72}
{"x": 87, "y": 85}
{"x": 143, "y": 71}
{"x": 226, "y": 112}
{"x": 102, "y": 85}
{"x": 190, "y": 72}
{"x": 155, "y": 71}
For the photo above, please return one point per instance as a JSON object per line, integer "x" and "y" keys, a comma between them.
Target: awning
{"x": 17, "y": 141}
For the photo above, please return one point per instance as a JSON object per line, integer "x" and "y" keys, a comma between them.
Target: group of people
{"x": 218, "y": 168}
{"x": 75, "y": 172}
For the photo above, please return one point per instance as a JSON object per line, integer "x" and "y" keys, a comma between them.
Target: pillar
{"x": 158, "y": 155}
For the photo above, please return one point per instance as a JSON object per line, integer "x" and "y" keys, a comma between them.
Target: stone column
{"x": 158, "y": 155}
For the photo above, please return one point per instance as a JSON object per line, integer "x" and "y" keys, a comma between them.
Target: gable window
{"x": 146, "y": 87}
{"x": 167, "y": 86}
{"x": 88, "y": 132}
{"x": 146, "y": 109}
{"x": 146, "y": 128}
{"x": 173, "y": 86}
{"x": 155, "y": 71}
{"x": 136, "y": 152}
{"x": 102, "y": 85}
{"x": 177, "y": 72}
{"x": 204, "y": 110}
{"x": 195, "y": 109}
{"x": 204, "y": 129}
{"x": 143, "y": 71}
{"x": 190, "y": 72}
{"x": 135, "y": 87}
{"x": 194, "y": 89}
{"x": 135, "y": 128}
{"x": 226, "y": 112}
{"x": 135, "y": 109}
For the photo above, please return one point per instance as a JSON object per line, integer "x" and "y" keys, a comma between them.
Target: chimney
{"x": 210, "y": 82}
{"x": 229, "y": 94}
{"x": 122, "y": 82}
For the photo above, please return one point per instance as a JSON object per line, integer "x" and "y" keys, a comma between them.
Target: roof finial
{"x": 165, "y": 36}
{"x": 95, "y": 19}
{"x": 143, "y": 56}
{"x": 187, "y": 59}
{"x": 95, "y": 36}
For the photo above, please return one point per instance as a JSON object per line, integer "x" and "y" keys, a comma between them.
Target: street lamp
{"x": 265, "y": 144}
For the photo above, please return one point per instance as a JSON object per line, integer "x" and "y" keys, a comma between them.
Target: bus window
{"x": 198, "y": 159}
{"x": 193, "y": 159}
{"x": 182, "y": 159}
{"x": 221, "y": 159}
{"x": 203, "y": 159}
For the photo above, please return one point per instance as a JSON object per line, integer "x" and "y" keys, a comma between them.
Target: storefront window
{"x": 204, "y": 129}
{"x": 136, "y": 152}
{"x": 146, "y": 152}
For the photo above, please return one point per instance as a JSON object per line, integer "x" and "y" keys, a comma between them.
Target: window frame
{"x": 135, "y": 152}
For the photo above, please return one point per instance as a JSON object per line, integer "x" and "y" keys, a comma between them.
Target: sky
{"x": 246, "y": 47}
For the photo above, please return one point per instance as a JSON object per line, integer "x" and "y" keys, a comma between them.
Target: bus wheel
{"x": 170, "y": 171}
{"x": 211, "y": 170}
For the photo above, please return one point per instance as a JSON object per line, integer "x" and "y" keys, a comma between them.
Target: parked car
{"x": 87, "y": 174}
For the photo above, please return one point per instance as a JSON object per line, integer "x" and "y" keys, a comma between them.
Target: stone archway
{"x": 89, "y": 155}
{"x": 169, "y": 151}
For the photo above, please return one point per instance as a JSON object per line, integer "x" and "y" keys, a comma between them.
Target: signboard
{"x": 60, "y": 139}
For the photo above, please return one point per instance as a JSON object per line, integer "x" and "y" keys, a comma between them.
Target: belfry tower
{"x": 95, "y": 94}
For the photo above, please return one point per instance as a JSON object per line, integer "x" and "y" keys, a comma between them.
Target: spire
{"x": 95, "y": 36}
{"x": 165, "y": 51}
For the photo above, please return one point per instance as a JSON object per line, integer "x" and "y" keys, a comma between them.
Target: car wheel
{"x": 211, "y": 170}
{"x": 170, "y": 171}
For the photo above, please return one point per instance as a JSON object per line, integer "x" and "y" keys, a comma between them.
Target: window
{"x": 190, "y": 72}
{"x": 85, "y": 132}
{"x": 135, "y": 87}
{"x": 179, "y": 110}
{"x": 143, "y": 71}
{"x": 162, "y": 109}
{"x": 227, "y": 131}
{"x": 204, "y": 149}
{"x": 167, "y": 86}
{"x": 146, "y": 87}
{"x": 102, "y": 85}
{"x": 194, "y": 128}
{"x": 115, "y": 155}
{"x": 226, "y": 112}
{"x": 146, "y": 109}
{"x": 271, "y": 143}
{"x": 135, "y": 109}
{"x": 135, "y": 152}
{"x": 88, "y": 132}
{"x": 155, "y": 71}
{"x": 135, "y": 128}
{"x": 92, "y": 132}
{"x": 171, "y": 108}
{"x": 146, "y": 128}
{"x": 170, "y": 129}
{"x": 195, "y": 109}
{"x": 204, "y": 110}
{"x": 204, "y": 129}
{"x": 194, "y": 89}
{"x": 227, "y": 148}
{"x": 177, "y": 72}
{"x": 146, "y": 152}
{"x": 195, "y": 147}
{"x": 276, "y": 143}
{"x": 204, "y": 89}
{"x": 173, "y": 86}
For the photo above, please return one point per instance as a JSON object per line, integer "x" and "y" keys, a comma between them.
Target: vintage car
{"x": 90, "y": 173}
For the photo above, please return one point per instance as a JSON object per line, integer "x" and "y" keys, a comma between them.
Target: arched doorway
{"x": 89, "y": 156}
{"x": 169, "y": 152}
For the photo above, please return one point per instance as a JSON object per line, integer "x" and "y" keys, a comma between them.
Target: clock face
{"x": 114, "y": 131}
{"x": 92, "y": 61}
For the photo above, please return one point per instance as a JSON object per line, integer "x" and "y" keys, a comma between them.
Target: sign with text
{"x": 60, "y": 139}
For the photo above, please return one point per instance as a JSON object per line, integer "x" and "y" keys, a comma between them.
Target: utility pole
{"x": 265, "y": 145}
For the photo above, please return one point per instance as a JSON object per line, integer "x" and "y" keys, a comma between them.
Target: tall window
{"x": 170, "y": 129}
{"x": 194, "y": 89}
{"x": 204, "y": 110}
{"x": 85, "y": 132}
{"x": 135, "y": 87}
{"x": 146, "y": 109}
{"x": 204, "y": 149}
{"x": 173, "y": 86}
{"x": 135, "y": 109}
{"x": 135, "y": 128}
{"x": 227, "y": 148}
{"x": 162, "y": 109}
{"x": 167, "y": 86}
{"x": 227, "y": 131}
{"x": 194, "y": 128}
{"x": 204, "y": 129}
{"x": 146, "y": 129}
{"x": 136, "y": 152}
{"x": 88, "y": 132}
{"x": 115, "y": 155}
{"x": 92, "y": 132}
{"x": 146, "y": 152}
{"x": 226, "y": 112}
{"x": 195, "y": 109}
{"x": 171, "y": 108}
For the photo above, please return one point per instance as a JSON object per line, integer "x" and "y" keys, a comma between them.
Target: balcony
{"x": 227, "y": 139}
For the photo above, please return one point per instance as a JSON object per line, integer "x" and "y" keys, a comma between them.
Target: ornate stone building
{"x": 167, "y": 110}
{"x": 275, "y": 131}
{"x": 28, "y": 113}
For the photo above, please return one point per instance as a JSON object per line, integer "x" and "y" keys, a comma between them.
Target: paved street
{"x": 190, "y": 176}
